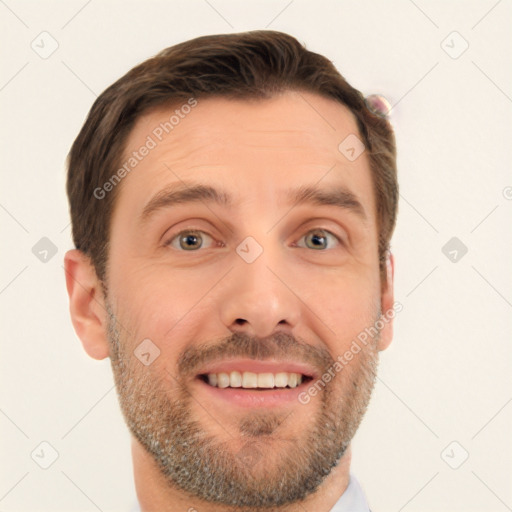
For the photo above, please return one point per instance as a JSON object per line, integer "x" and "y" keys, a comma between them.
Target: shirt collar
{"x": 353, "y": 499}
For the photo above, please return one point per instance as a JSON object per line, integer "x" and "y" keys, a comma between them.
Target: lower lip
{"x": 250, "y": 398}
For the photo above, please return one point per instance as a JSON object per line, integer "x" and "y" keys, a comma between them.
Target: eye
{"x": 190, "y": 240}
{"x": 318, "y": 239}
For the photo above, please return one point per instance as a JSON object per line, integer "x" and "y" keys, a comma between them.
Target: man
{"x": 232, "y": 202}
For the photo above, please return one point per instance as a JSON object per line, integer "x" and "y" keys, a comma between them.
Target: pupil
{"x": 191, "y": 240}
{"x": 318, "y": 240}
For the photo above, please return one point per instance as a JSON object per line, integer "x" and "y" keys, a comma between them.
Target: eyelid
{"x": 191, "y": 224}
{"x": 325, "y": 224}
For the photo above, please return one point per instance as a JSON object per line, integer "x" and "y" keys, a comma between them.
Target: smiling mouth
{"x": 255, "y": 381}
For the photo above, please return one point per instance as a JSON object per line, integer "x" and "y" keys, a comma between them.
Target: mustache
{"x": 278, "y": 346}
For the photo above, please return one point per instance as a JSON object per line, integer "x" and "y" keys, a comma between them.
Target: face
{"x": 232, "y": 291}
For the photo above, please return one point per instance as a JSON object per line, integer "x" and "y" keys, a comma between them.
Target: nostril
{"x": 240, "y": 321}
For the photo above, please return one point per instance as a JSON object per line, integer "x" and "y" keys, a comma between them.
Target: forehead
{"x": 255, "y": 148}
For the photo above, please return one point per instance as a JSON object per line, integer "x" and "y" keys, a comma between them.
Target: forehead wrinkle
{"x": 193, "y": 136}
{"x": 179, "y": 155}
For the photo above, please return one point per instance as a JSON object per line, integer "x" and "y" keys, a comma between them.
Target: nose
{"x": 259, "y": 300}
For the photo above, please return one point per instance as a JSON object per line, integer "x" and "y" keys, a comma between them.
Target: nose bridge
{"x": 257, "y": 300}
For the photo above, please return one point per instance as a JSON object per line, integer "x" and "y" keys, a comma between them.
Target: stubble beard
{"x": 264, "y": 467}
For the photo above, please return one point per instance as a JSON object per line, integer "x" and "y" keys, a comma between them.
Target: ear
{"x": 86, "y": 304}
{"x": 387, "y": 302}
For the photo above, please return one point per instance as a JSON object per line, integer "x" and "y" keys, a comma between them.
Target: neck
{"x": 156, "y": 495}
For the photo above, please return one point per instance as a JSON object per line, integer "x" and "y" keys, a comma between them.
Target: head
{"x": 232, "y": 203}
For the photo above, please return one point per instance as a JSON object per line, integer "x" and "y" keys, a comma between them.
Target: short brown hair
{"x": 249, "y": 65}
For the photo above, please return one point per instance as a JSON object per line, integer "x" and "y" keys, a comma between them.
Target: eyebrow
{"x": 340, "y": 197}
{"x": 184, "y": 193}
{"x": 194, "y": 192}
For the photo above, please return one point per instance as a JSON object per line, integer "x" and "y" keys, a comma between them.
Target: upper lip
{"x": 258, "y": 366}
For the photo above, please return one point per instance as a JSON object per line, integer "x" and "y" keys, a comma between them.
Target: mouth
{"x": 250, "y": 383}
{"x": 255, "y": 381}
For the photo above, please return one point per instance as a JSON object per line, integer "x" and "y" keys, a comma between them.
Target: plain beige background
{"x": 446, "y": 69}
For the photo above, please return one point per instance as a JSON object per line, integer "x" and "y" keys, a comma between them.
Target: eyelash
{"x": 185, "y": 231}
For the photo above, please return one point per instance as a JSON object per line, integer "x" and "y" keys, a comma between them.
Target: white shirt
{"x": 352, "y": 500}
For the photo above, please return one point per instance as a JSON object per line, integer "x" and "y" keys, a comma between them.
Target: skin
{"x": 318, "y": 300}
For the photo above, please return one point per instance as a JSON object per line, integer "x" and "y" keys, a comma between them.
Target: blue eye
{"x": 318, "y": 239}
{"x": 189, "y": 240}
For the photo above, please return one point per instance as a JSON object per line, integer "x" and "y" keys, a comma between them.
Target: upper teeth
{"x": 254, "y": 380}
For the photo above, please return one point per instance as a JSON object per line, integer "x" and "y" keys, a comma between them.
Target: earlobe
{"x": 86, "y": 303}
{"x": 387, "y": 303}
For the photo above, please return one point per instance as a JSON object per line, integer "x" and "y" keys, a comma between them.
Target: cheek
{"x": 161, "y": 305}
{"x": 347, "y": 306}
